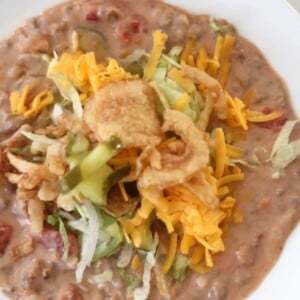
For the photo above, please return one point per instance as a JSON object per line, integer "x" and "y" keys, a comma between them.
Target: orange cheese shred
{"x": 171, "y": 253}
{"x": 187, "y": 51}
{"x": 220, "y": 151}
{"x": 231, "y": 178}
{"x": 258, "y": 117}
{"x": 159, "y": 40}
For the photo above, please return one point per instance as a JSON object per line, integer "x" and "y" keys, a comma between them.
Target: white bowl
{"x": 275, "y": 28}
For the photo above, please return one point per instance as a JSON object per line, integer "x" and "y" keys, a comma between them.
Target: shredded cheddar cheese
{"x": 182, "y": 102}
{"x": 19, "y": 106}
{"x": 231, "y": 178}
{"x": 159, "y": 40}
{"x": 197, "y": 255}
{"x": 249, "y": 96}
{"x": 171, "y": 253}
{"x": 234, "y": 152}
{"x": 187, "y": 51}
{"x": 237, "y": 116}
{"x": 136, "y": 263}
{"x": 86, "y": 75}
{"x": 185, "y": 83}
{"x": 220, "y": 151}
{"x": 202, "y": 58}
{"x": 213, "y": 68}
{"x": 258, "y": 117}
{"x": 225, "y": 63}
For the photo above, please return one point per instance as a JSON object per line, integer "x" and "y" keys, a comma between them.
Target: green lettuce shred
{"x": 218, "y": 29}
{"x": 179, "y": 267}
{"x": 56, "y": 220}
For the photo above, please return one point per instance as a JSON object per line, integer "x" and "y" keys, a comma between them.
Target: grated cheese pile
{"x": 19, "y": 106}
{"x": 86, "y": 75}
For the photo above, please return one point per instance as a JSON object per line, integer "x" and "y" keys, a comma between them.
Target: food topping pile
{"x": 135, "y": 158}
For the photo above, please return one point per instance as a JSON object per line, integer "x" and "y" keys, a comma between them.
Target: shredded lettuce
{"x": 218, "y": 29}
{"x": 66, "y": 88}
{"x": 179, "y": 267}
{"x": 89, "y": 239}
{"x": 78, "y": 143}
{"x": 106, "y": 276}
{"x": 142, "y": 293}
{"x": 174, "y": 54}
{"x": 283, "y": 136}
{"x": 284, "y": 152}
{"x": 172, "y": 91}
{"x": 130, "y": 280}
{"x": 64, "y": 235}
{"x": 56, "y": 220}
{"x": 110, "y": 236}
{"x": 66, "y": 215}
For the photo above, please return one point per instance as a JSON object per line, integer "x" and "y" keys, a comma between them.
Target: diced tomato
{"x": 51, "y": 239}
{"x": 92, "y": 16}
{"x": 131, "y": 30}
{"x": 5, "y": 236}
{"x": 91, "y": 11}
{"x": 274, "y": 125}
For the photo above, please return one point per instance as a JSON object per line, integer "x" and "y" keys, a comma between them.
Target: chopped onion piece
{"x": 39, "y": 138}
{"x": 56, "y": 112}
{"x": 125, "y": 256}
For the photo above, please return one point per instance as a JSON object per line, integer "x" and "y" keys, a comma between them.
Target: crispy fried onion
{"x": 31, "y": 174}
{"x": 215, "y": 94}
{"x": 37, "y": 183}
{"x": 125, "y": 109}
{"x": 180, "y": 160}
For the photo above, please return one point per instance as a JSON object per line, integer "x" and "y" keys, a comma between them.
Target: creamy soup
{"x": 222, "y": 89}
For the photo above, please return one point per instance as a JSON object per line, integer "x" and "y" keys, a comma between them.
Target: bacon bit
{"x": 274, "y": 125}
{"x": 51, "y": 240}
{"x": 5, "y": 236}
